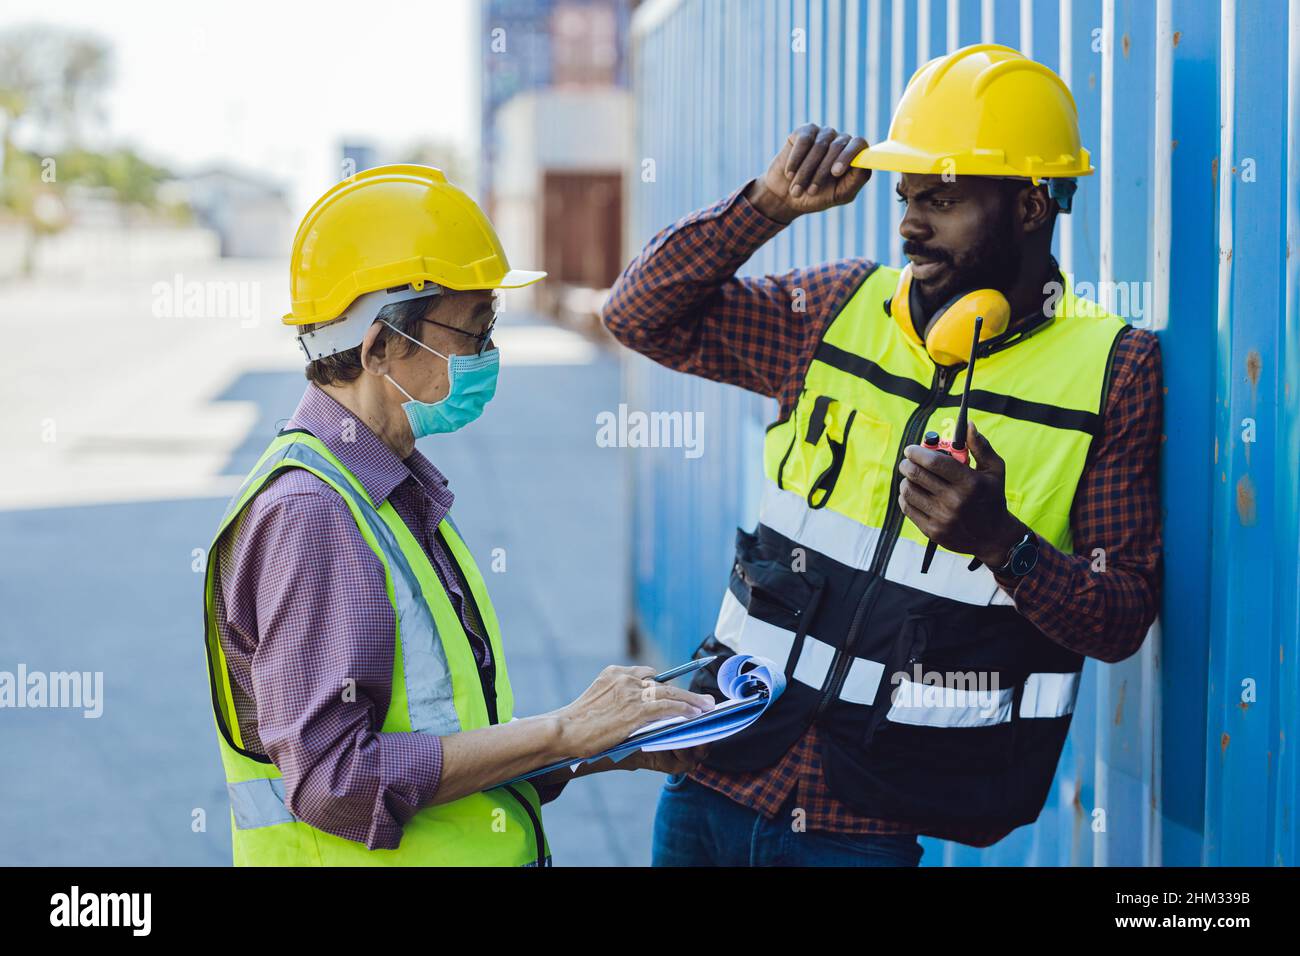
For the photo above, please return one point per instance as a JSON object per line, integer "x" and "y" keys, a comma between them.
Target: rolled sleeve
{"x": 322, "y": 670}
{"x": 410, "y": 768}
{"x": 680, "y": 302}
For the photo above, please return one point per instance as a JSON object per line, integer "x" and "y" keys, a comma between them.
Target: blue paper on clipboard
{"x": 750, "y": 683}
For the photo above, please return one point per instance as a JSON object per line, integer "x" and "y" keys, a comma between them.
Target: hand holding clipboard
{"x": 750, "y": 683}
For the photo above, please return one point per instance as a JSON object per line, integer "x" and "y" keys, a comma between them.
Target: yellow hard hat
{"x": 387, "y": 227}
{"x": 983, "y": 110}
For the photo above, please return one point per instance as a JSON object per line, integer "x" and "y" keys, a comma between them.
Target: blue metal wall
{"x": 1183, "y": 754}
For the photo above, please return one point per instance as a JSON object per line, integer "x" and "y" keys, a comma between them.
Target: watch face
{"x": 1024, "y": 557}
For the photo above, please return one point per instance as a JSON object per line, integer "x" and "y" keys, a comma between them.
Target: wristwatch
{"x": 1023, "y": 557}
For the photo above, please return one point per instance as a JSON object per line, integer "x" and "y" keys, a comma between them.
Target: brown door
{"x": 582, "y": 228}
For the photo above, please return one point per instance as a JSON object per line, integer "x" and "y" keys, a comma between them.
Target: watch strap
{"x": 1005, "y": 568}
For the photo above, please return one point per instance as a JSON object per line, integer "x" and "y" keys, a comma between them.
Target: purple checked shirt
{"x": 303, "y": 614}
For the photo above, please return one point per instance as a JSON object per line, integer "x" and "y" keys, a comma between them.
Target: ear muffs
{"x": 948, "y": 332}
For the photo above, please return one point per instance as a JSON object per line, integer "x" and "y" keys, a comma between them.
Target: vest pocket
{"x": 918, "y": 774}
{"x": 820, "y": 464}
{"x": 766, "y": 611}
{"x": 870, "y": 458}
{"x": 968, "y": 722}
{"x": 941, "y": 742}
{"x": 813, "y": 461}
{"x": 956, "y": 679}
{"x": 767, "y": 606}
{"x": 829, "y": 457}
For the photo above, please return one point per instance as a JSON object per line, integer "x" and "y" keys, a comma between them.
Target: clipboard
{"x": 751, "y": 684}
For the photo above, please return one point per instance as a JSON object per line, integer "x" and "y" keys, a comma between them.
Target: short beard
{"x": 993, "y": 262}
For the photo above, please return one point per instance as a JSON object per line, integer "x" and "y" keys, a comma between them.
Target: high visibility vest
{"x": 437, "y": 689}
{"x": 937, "y": 702}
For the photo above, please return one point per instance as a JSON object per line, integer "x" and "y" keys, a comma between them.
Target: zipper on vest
{"x": 538, "y": 839}
{"x": 893, "y": 524}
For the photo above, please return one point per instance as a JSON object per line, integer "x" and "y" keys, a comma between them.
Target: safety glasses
{"x": 481, "y": 338}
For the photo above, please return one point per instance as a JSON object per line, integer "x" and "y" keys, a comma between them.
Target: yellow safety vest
{"x": 437, "y": 689}
{"x": 938, "y": 703}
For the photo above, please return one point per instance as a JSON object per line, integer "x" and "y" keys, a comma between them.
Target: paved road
{"x": 156, "y": 419}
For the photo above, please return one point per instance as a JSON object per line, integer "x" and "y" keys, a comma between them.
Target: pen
{"x": 686, "y": 668}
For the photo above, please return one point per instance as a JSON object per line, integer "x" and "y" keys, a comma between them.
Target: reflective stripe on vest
{"x": 258, "y": 803}
{"x": 436, "y": 689}
{"x": 962, "y": 704}
{"x": 854, "y": 544}
{"x": 829, "y": 585}
{"x": 1046, "y": 694}
{"x": 428, "y": 677}
{"x": 1037, "y": 402}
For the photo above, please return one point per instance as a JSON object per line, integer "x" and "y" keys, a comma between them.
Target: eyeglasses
{"x": 482, "y": 338}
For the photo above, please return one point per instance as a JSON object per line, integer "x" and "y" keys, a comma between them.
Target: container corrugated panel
{"x": 1185, "y": 753}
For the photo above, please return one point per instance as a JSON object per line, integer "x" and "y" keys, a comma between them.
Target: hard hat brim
{"x": 513, "y": 279}
{"x": 897, "y": 158}
{"x": 518, "y": 278}
{"x": 893, "y": 156}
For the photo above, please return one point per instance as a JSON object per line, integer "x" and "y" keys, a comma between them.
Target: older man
{"x": 358, "y": 674}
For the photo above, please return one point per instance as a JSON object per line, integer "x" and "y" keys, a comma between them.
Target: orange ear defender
{"x": 948, "y": 332}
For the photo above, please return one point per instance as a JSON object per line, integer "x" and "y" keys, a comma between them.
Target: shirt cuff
{"x": 1042, "y": 583}
{"x": 410, "y": 770}
{"x": 747, "y": 214}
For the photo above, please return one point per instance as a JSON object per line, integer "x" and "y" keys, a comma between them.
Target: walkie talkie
{"x": 957, "y": 447}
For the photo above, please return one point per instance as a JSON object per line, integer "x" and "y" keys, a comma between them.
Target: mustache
{"x": 912, "y": 248}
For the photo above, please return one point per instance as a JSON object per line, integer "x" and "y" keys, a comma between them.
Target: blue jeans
{"x": 697, "y": 826}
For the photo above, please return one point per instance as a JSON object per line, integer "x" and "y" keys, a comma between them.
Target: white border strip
{"x": 1066, "y": 54}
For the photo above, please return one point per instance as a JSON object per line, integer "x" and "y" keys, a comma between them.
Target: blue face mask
{"x": 471, "y": 381}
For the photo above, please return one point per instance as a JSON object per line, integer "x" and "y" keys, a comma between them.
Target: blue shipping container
{"x": 1182, "y": 754}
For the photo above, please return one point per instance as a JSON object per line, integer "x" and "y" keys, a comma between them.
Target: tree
{"x": 51, "y": 81}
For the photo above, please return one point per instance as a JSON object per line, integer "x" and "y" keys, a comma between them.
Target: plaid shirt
{"x": 302, "y": 612}
{"x": 680, "y": 303}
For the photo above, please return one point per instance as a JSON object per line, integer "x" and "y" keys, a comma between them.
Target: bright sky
{"x": 273, "y": 86}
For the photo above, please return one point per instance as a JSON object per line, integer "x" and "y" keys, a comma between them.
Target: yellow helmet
{"x": 983, "y": 110}
{"x": 387, "y": 227}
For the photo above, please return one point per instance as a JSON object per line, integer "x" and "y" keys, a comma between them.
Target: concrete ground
{"x": 127, "y": 425}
